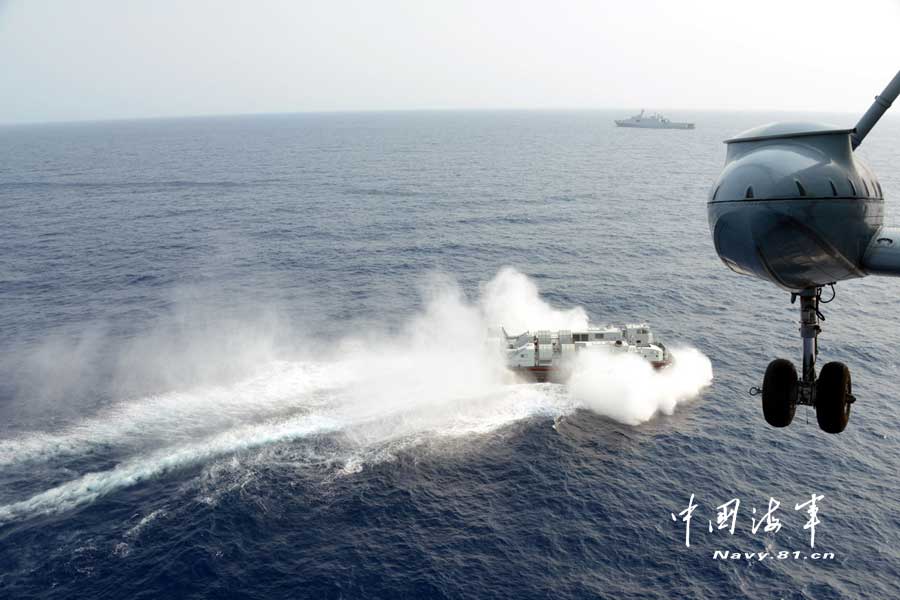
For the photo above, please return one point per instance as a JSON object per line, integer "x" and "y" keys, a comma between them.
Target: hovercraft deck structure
{"x": 542, "y": 355}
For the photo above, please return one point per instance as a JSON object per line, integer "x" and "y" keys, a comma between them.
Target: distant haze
{"x": 106, "y": 59}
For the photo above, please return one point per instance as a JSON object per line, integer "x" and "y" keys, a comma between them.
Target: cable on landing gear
{"x": 820, "y": 301}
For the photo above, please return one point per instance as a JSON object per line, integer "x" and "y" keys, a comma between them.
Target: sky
{"x": 110, "y": 59}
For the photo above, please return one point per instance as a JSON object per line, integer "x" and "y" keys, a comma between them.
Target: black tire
{"x": 779, "y": 395}
{"x": 833, "y": 390}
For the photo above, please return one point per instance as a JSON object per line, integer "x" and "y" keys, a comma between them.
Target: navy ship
{"x": 654, "y": 121}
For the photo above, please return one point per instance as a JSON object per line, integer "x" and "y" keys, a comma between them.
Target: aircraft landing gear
{"x": 779, "y": 393}
{"x": 833, "y": 397}
{"x": 830, "y": 393}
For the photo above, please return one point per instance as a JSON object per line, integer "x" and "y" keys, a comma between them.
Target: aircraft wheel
{"x": 779, "y": 395}
{"x": 833, "y": 397}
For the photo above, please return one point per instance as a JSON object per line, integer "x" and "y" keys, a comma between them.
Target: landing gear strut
{"x": 830, "y": 393}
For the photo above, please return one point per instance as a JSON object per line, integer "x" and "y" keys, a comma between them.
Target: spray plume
{"x": 376, "y": 394}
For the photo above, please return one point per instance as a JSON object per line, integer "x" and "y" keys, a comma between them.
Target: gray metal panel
{"x": 813, "y": 165}
{"x": 545, "y": 352}
{"x": 883, "y": 254}
{"x": 789, "y": 129}
{"x": 795, "y": 243}
{"x": 797, "y": 208}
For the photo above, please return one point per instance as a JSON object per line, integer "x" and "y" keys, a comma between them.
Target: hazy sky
{"x": 104, "y": 59}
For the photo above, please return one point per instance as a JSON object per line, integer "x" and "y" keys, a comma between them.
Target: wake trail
{"x": 366, "y": 435}
{"x": 91, "y": 486}
{"x": 281, "y": 387}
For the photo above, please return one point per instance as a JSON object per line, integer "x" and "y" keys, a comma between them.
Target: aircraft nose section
{"x": 794, "y": 244}
{"x": 794, "y": 206}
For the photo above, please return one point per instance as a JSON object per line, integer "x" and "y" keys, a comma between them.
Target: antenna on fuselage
{"x": 878, "y": 108}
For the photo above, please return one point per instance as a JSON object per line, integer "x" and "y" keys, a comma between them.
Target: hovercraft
{"x": 541, "y": 355}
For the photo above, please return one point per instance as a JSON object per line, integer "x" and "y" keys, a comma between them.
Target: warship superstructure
{"x": 654, "y": 121}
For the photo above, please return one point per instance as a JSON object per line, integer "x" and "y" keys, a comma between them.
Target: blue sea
{"x": 244, "y": 357}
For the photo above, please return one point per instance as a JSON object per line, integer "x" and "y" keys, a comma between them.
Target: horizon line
{"x": 402, "y": 110}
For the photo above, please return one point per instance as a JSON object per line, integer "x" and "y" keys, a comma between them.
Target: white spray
{"x": 436, "y": 379}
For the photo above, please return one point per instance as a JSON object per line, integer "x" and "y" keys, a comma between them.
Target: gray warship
{"x": 654, "y": 121}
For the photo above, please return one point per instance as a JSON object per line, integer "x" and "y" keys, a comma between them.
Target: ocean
{"x": 244, "y": 357}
